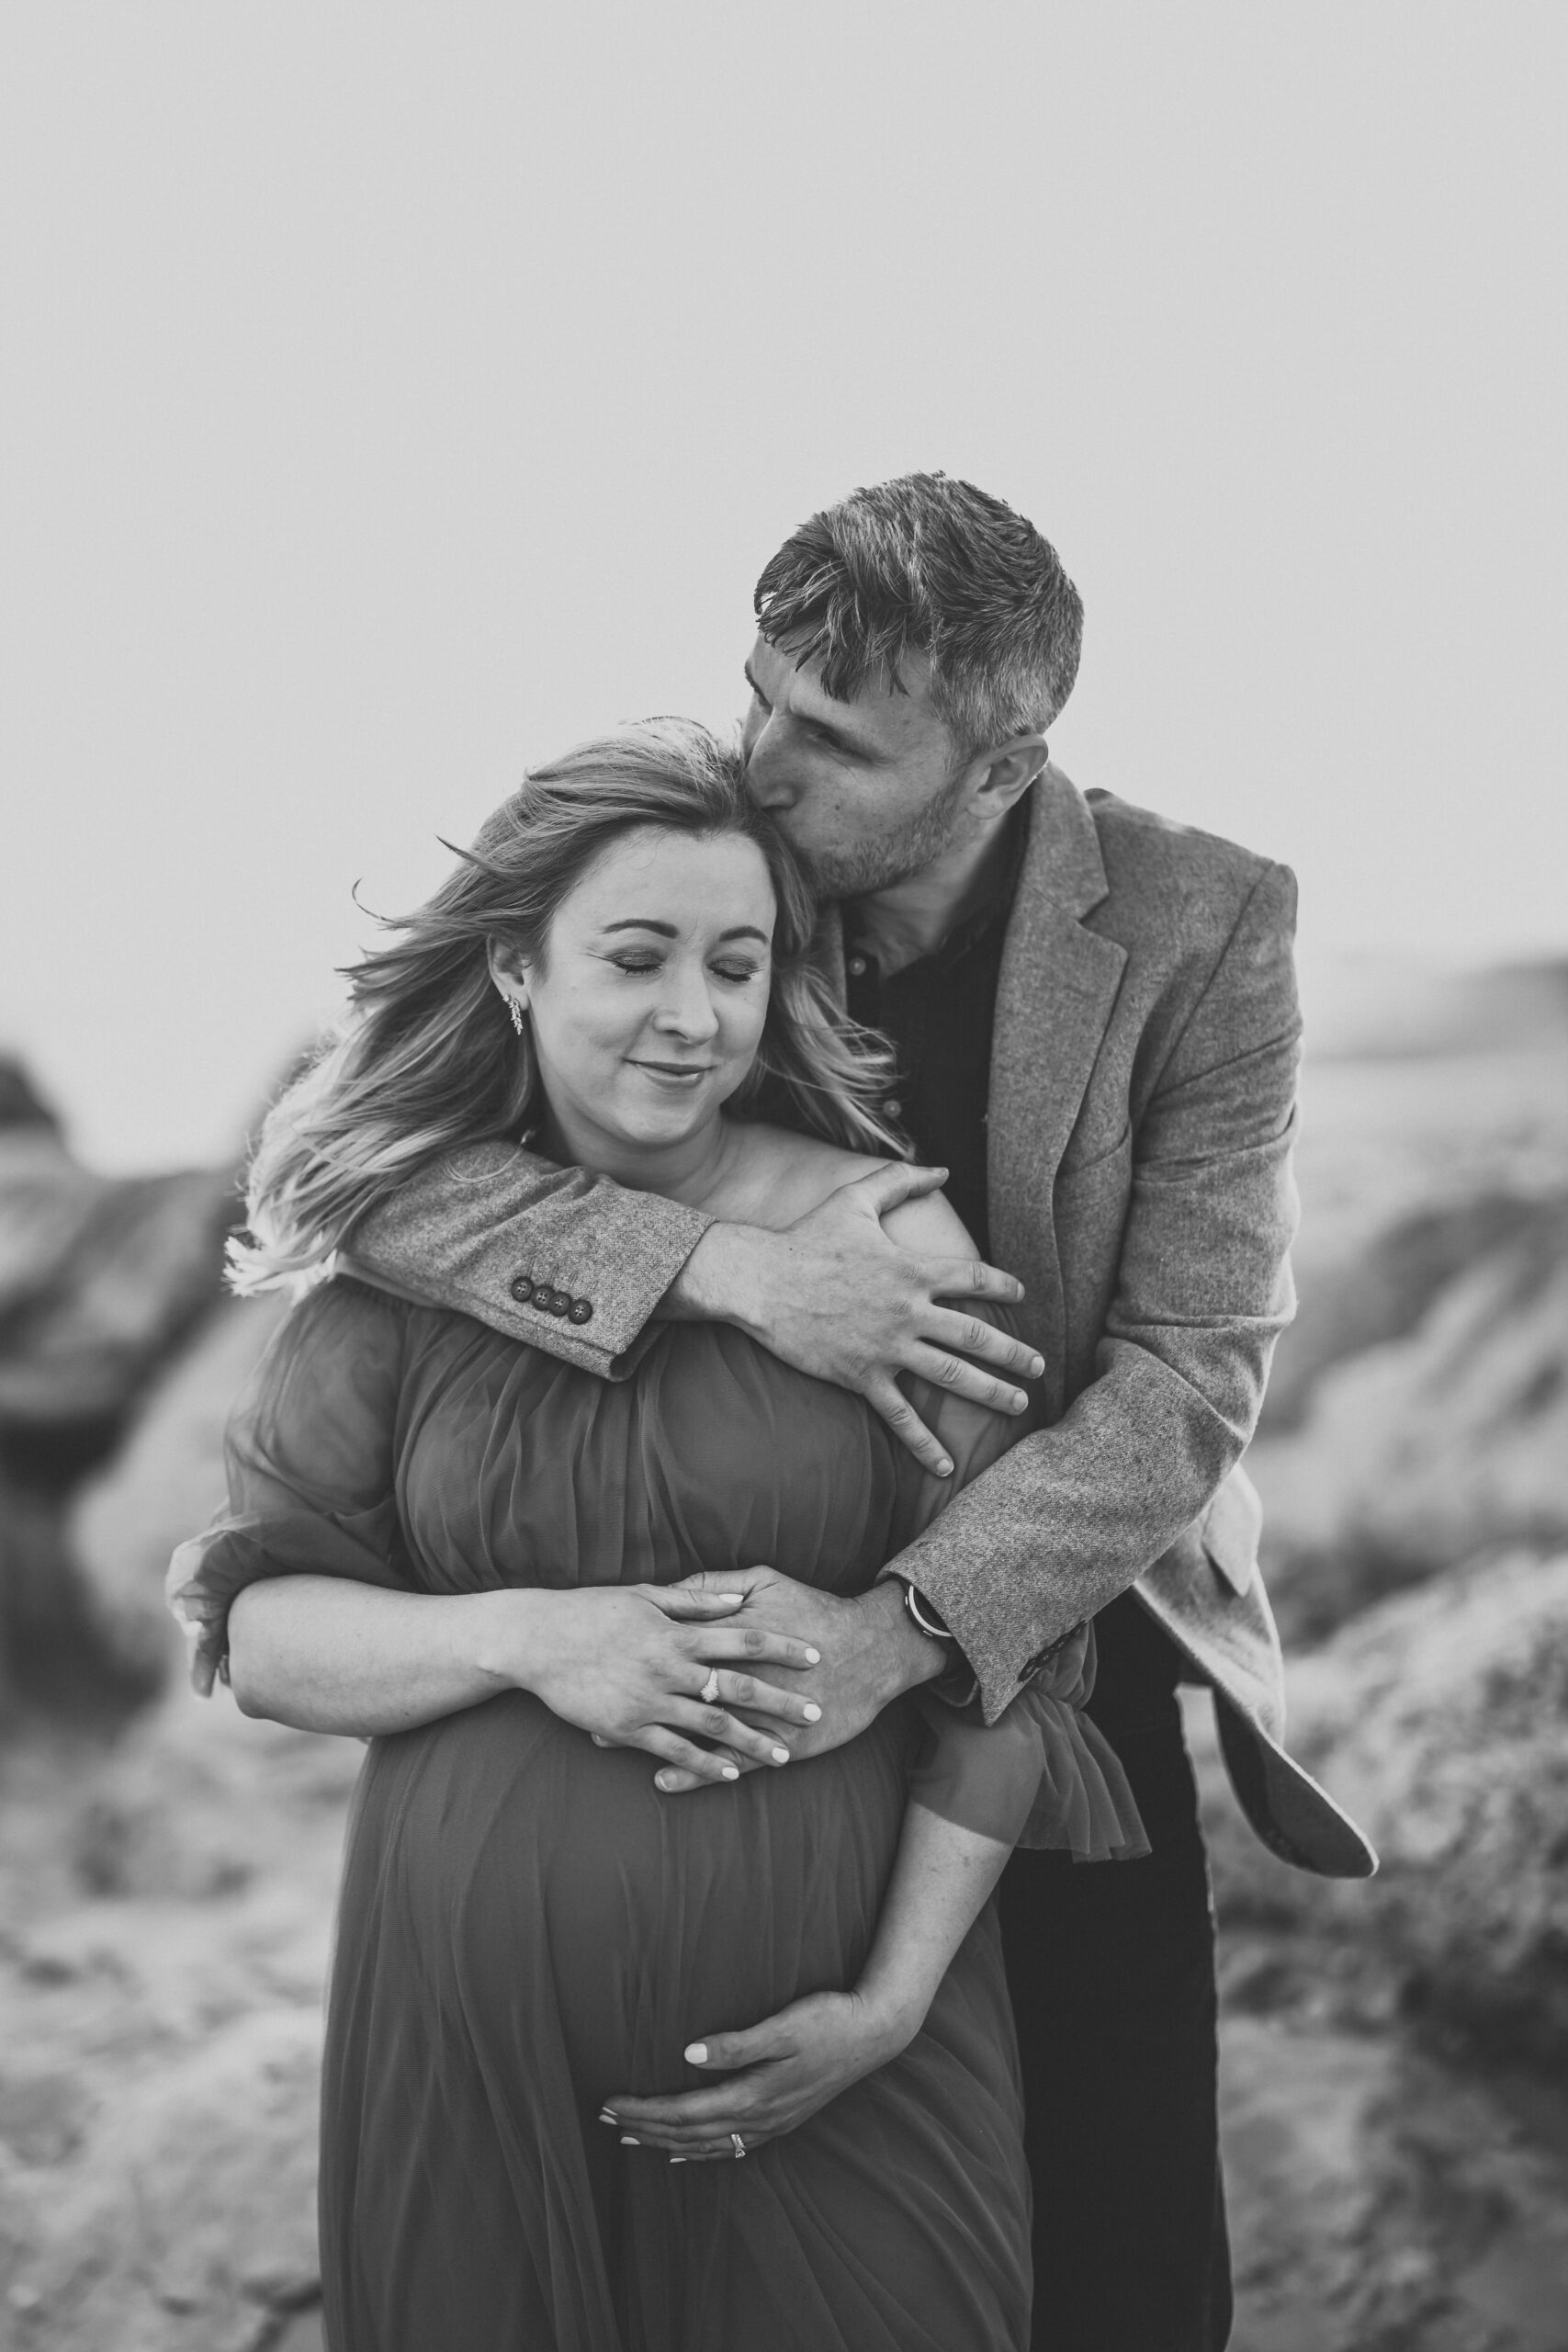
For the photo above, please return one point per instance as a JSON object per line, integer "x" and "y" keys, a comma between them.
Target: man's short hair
{"x": 928, "y": 565}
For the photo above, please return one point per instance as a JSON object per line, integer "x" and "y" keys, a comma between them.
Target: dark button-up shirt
{"x": 937, "y": 1013}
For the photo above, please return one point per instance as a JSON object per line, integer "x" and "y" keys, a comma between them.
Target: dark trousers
{"x": 1112, "y": 1970}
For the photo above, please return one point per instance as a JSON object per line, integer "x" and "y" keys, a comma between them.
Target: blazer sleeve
{"x": 309, "y": 1455}
{"x": 484, "y": 1229}
{"x": 1075, "y": 1513}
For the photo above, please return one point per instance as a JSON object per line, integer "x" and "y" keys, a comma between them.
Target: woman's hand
{"x": 629, "y": 1662}
{"x": 780, "y": 2073}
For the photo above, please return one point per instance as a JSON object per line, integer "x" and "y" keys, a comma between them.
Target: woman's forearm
{"x": 325, "y": 1655}
{"x": 940, "y": 1879}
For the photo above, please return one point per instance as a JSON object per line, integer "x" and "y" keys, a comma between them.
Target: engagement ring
{"x": 709, "y": 1691}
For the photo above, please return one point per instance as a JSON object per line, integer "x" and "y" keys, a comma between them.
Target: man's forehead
{"x": 885, "y": 714}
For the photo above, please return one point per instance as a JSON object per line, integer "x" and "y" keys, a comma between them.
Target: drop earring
{"x": 515, "y": 1010}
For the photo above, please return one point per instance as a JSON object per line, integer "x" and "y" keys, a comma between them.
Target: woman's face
{"x": 647, "y": 1002}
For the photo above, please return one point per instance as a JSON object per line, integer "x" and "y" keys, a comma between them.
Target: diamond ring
{"x": 738, "y": 2143}
{"x": 709, "y": 1691}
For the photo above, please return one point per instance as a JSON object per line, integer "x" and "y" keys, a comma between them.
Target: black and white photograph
{"x": 783, "y": 1178}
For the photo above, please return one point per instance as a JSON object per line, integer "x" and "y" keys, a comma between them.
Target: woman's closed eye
{"x": 734, "y": 969}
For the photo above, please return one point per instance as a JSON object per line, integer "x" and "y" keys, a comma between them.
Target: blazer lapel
{"x": 1058, "y": 987}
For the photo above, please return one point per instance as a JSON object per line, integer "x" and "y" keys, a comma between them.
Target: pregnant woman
{"x": 437, "y": 1535}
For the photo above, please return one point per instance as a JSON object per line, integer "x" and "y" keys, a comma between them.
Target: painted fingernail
{"x": 605, "y": 2116}
{"x": 812, "y": 1712}
{"x": 780, "y": 1756}
{"x": 628, "y": 2140}
{"x": 730, "y": 1771}
{"x": 813, "y": 1658}
{"x": 697, "y": 2054}
{"x": 677, "y": 2160}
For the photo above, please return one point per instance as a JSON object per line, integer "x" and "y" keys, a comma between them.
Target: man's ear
{"x": 1004, "y": 774}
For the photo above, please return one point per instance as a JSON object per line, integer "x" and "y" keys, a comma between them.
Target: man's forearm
{"x": 520, "y": 1244}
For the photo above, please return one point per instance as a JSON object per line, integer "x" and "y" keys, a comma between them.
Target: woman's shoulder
{"x": 342, "y": 1316}
{"x": 788, "y": 1175}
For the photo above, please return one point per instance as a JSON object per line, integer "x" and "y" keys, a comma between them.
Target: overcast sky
{"x": 391, "y": 395}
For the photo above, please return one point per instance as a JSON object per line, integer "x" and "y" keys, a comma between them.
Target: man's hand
{"x": 779, "y": 2073}
{"x": 629, "y": 1662}
{"x": 870, "y": 1653}
{"x": 835, "y": 1296}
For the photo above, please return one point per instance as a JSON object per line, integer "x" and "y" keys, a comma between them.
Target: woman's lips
{"x": 681, "y": 1074}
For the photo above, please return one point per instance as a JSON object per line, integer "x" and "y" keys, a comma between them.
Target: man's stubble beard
{"x": 868, "y": 867}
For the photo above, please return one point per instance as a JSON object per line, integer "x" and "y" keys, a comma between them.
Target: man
{"x": 1097, "y": 1035}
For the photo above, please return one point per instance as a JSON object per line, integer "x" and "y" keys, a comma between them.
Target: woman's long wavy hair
{"x": 425, "y": 1059}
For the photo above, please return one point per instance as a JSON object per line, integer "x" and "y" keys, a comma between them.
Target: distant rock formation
{"x": 102, "y": 1283}
{"x": 164, "y": 1485}
{"x": 100, "y": 1279}
{"x": 1418, "y": 1454}
{"x": 1440, "y": 1718}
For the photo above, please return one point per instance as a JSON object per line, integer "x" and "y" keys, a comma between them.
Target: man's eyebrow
{"x": 834, "y": 734}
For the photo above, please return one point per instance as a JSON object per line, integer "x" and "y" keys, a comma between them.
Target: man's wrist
{"x": 719, "y": 1282}
{"x": 911, "y": 1657}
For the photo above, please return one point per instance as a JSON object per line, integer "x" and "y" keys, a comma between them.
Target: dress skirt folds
{"x": 526, "y": 1927}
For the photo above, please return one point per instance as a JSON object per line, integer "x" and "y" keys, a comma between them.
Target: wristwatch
{"x": 923, "y": 1615}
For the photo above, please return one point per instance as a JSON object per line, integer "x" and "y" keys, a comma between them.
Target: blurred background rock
{"x": 1397, "y": 2055}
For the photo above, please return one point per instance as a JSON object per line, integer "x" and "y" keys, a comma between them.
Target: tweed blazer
{"x": 1141, "y": 1118}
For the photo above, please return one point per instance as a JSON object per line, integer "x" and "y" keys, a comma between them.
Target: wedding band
{"x": 709, "y": 1691}
{"x": 738, "y": 2143}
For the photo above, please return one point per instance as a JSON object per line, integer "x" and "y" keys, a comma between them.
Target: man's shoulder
{"x": 1174, "y": 885}
{"x": 1145, "y": 846}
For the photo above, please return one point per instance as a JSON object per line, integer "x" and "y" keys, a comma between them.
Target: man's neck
{"x": 910, "y": 918}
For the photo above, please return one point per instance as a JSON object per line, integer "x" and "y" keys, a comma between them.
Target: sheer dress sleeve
{"x": 310, "y": 1457}
{"x": 1044, "y": 1775}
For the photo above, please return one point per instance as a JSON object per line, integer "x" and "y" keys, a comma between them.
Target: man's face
{"x": 866, "y": 791}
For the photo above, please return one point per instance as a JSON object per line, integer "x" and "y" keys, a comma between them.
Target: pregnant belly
{"x": 526, "y": 1889}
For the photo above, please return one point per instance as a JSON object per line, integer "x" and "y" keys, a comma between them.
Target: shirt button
{"x": 521, "y": 1290}
{"x": 581, "y": 1310}
{"x": 857, "y": 966}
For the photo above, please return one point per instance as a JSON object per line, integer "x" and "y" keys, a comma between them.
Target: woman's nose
{"x": 686, "y": 1007}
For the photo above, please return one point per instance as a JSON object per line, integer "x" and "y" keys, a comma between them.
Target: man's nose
{"x": 767, "y": 767}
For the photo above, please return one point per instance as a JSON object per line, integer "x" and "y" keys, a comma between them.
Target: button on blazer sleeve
{"x": 479, "y": 1229}
{"x": 1076, "y": 1512}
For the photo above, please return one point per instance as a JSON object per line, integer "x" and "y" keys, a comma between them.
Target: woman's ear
{"x": 508, "y": 972}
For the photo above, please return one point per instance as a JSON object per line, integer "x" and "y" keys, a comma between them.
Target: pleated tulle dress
{"x": 527, "y": 1927}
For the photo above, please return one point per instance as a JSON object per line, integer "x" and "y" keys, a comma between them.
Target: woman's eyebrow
{"x": 668, "y": 929}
